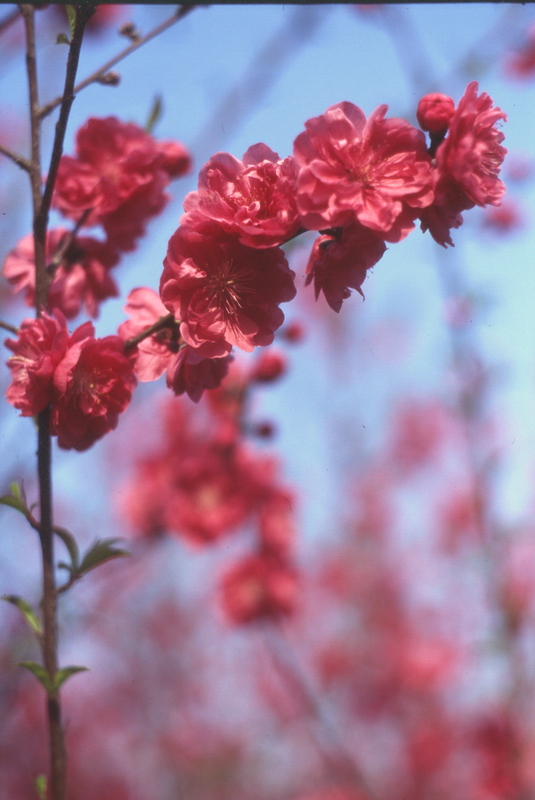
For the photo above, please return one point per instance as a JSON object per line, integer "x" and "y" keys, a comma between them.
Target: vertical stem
{"x": 41, "y": 206}
{"x": 50, "y": 626}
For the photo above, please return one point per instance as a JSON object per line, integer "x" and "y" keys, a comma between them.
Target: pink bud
{"x": 435, "y": 112}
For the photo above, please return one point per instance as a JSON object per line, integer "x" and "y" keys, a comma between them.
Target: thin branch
{"x": 83, "y": 13}
{"x": 7, "y": 327}
{"x": 168, "y": 321}
{"x": 19, "y": 160}
{"x": 66, "y": 243}
{"x": 289, "y": 667}
{"x": 96, "y": 76}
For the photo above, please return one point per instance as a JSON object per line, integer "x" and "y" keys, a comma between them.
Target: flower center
{"x": 229, "y": 285}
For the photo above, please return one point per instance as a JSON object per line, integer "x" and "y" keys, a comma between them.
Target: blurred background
{"x": 403, "y": 427}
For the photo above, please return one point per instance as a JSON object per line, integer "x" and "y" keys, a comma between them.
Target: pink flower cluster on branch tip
{"x": 468, "y": 163}
{"x": 120, "y": 172}
{"x": 88, "y": 382}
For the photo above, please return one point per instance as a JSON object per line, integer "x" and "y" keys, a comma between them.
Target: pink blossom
{"x": 120, "y": 173}
{"x": 40, "y": 346}
{"x": 467, "y": 165}
{"x": 191, "y": 374}
{"x": 187, "y": 371}
{"x": 224, "y": 293}
{"x": 93, "y": 384}
{"x": 258, "y": 588}
{"x": 81, "y": 279}
{"x": 253, "y": 198}
{"x": 340, "y": 262}
{"x": 376, "y": 172}
{"x": 435, "y": 112}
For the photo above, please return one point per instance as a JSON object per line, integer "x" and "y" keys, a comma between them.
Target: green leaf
{"x": 64, "y": 673}
{"x": 71, "y": 14}
{"x": 17, "y": 490}
{"x": 155, "y": 114}
{"x": 31, "y": 617}
{"x": 40, "y": 786}
{"x": 40, "y": 673}
{"x": 62, "y": 38}
{"x": 17, "y": 499}
{"x": 70, "y": 543}
{"x": 102, "y": 550}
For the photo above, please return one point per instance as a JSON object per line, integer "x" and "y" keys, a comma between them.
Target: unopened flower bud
{"x": 110, "y": 79}
{"x": 435, "y": 112}
{"x": 130, "y": 31}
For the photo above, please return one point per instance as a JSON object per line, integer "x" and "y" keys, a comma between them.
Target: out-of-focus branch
{"x": 99, "y": 73}
{"x": 332, "y": 748}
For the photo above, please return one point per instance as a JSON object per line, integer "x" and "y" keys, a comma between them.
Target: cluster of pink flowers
{"x": 87, "y": 382}
{"x": 359, "y": 182}
{"x": 204, "y": 483}
{"x": 117, "y": 181}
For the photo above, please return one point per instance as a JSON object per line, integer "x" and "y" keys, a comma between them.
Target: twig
{"x": 83, "y": 13}
{"x": 66, "y": 243}
{"x": 168, "y": 321}
{"x": 95, "y": 76}
{"x": 7, "y": 327}
{"x": 19, "y": 160}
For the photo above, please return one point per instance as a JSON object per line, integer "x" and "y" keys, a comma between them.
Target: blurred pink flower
{"x": 119, "y": 173}
{"x": 81, "y": 279}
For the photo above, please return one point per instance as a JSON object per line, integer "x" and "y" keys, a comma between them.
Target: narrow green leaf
{"x": 155, "y": 114}
{"x": 31, "y": 617}
{"x": 70, "y": 543}
{"x": 40, "y": 786}
{"x": 17, "y": 491}
{"x": 102, "y": 550}
{"x": 14, "y": 502}
{"x": 62, "y": 38}
{"x": 71, "y": 13}
{"x": 40, "y": 673}
{"x": 17, "y": 499}
{"x": 64, "y": 673}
